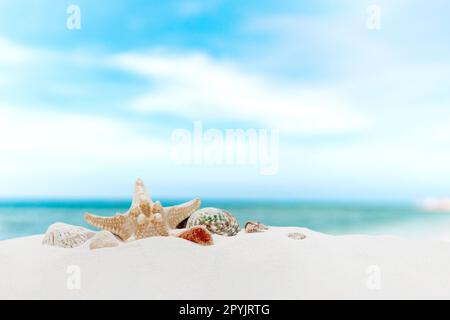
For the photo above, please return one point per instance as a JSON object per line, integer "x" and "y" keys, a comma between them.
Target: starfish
{"x": 145, "y": 218}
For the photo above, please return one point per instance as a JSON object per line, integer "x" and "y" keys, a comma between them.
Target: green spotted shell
{"x": 217, "y": 221}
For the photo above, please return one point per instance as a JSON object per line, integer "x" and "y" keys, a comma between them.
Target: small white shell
{"x": 254, "y": 226}
{"x": 66, "y": 235}
{"x": 296, "y": 235}
{"x": 103, "y": 239}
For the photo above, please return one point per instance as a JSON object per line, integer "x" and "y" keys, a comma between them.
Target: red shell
{"x": 197, "y": 234}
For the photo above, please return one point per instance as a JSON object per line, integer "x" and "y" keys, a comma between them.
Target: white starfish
{"x": 145, "y": 218}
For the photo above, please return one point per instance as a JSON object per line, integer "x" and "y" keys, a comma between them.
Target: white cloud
{"x": 11, "y": 53}
{"x": 199, "y": 87}
{"x": 37, "y": 140}
{"x": 53, "y": 132}
{"x": 11, "y": 56}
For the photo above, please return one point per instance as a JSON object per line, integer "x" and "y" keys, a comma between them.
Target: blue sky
{"x": 362, "y": 114}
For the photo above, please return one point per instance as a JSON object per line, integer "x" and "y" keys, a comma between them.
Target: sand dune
{"x": 248, "y": 266}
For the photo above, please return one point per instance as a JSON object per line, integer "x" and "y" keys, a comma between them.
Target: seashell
{"x": 217, "y": 221}
{"x": 66, "y": 236}
{"x": 103, "y": 239}
{"x": 254, "y": 226}
{"x": 197, "y": 234}
{"x": 296, "y": 235}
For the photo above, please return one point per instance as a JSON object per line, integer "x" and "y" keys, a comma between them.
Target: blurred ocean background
{"x": 358, "y": 93}
{"x": 24, "y": 218}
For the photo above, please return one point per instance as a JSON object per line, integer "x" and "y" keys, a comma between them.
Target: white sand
{"x": 248, "y": 266}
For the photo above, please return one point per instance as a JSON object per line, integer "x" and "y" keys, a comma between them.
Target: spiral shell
{"x": 216, "y": 220}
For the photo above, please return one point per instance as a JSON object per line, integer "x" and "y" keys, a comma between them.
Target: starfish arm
{"x": 140, "y": 194}
{"x": 176, "y": 214}
{"x": 120, "y": 225}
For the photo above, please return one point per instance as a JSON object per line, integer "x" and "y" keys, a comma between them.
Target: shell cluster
{"x": 146, "y": 218}
{"x": 216, "y": 220}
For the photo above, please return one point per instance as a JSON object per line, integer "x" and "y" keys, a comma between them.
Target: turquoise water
{"x": 23, "y": 218}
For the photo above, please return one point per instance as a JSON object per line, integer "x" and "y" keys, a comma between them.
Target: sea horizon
{"x": 25, "y": 217}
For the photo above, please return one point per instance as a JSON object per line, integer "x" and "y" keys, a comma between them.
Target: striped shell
{"x": 66, "y": 236}
{"x": 217, "y": 221}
